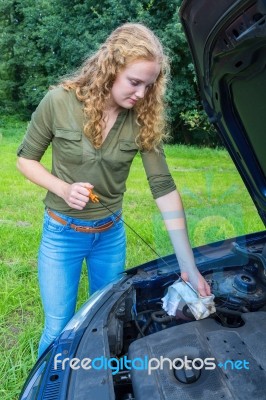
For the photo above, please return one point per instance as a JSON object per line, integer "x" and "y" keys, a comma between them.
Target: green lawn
{"x": 217, "y": 206}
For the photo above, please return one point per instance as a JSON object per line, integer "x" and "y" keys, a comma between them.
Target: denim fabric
{"x": 62, "y": 251}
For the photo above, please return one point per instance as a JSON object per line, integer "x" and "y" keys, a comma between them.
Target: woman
{"x": 97, "y": 120}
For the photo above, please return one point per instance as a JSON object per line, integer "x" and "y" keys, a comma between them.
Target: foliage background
{"x": 41, "y": 40}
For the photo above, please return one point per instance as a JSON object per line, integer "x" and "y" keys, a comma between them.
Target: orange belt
{"x": 84, "y": 229}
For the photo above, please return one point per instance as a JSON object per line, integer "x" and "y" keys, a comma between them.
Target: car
{"x": 121, "y": 344}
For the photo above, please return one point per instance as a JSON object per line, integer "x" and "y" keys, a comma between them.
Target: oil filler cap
{"x": 186, "y": 375}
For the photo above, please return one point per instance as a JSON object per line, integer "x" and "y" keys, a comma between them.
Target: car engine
{"x": 231, "y": 339}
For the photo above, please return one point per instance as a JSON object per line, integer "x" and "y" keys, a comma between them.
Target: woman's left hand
{"x": 198, "y": 282}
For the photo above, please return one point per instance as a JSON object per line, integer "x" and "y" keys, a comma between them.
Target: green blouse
{"x": 59, "y": 120}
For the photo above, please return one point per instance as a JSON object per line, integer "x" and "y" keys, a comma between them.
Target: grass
{"x": 217, "y": 206}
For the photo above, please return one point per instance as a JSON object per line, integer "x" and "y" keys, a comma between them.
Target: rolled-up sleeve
{"x": 158, "y": 174}
{"x": 39, "y": 133}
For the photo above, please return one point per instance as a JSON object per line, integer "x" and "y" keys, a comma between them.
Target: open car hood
{"x": 227, "y": 39}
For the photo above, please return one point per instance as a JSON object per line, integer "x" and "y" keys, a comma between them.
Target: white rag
{"x": 179, "y": 294}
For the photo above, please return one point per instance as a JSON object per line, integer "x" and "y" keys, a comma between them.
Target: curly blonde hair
{"x": 94, "y": 80}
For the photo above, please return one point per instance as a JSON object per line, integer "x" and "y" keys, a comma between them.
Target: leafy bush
{"x": 41, "y": 41}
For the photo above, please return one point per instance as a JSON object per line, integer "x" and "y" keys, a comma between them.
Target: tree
{"x": 42, "y": 40}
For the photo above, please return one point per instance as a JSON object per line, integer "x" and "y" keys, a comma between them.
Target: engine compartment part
{"x": 201, "y": 340}
{"x": 239, "y": 288}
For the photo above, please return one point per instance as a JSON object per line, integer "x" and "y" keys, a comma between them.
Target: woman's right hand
{"x": 76, "y": 195}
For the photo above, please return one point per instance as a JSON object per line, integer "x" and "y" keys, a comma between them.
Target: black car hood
{"x": 227, "y": 39}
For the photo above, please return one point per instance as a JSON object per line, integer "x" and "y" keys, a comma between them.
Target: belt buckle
{"x": 80, "y": 228}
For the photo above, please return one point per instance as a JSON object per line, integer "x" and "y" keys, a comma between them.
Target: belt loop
{"x": 117, "y": 216}
{"x": 69, "y": 222}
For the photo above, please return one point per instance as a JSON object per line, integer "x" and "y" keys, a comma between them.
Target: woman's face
{"x": 132, "y": 83}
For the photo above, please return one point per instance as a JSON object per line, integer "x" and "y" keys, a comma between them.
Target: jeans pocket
{"x": 52, "y": 225}
{"x": 119, "y": 224}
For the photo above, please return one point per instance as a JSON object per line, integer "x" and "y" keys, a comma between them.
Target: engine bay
{"x": 138, "y": 327}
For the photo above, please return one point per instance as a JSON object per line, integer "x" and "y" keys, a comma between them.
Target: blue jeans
{"x": 61, "y": 254}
